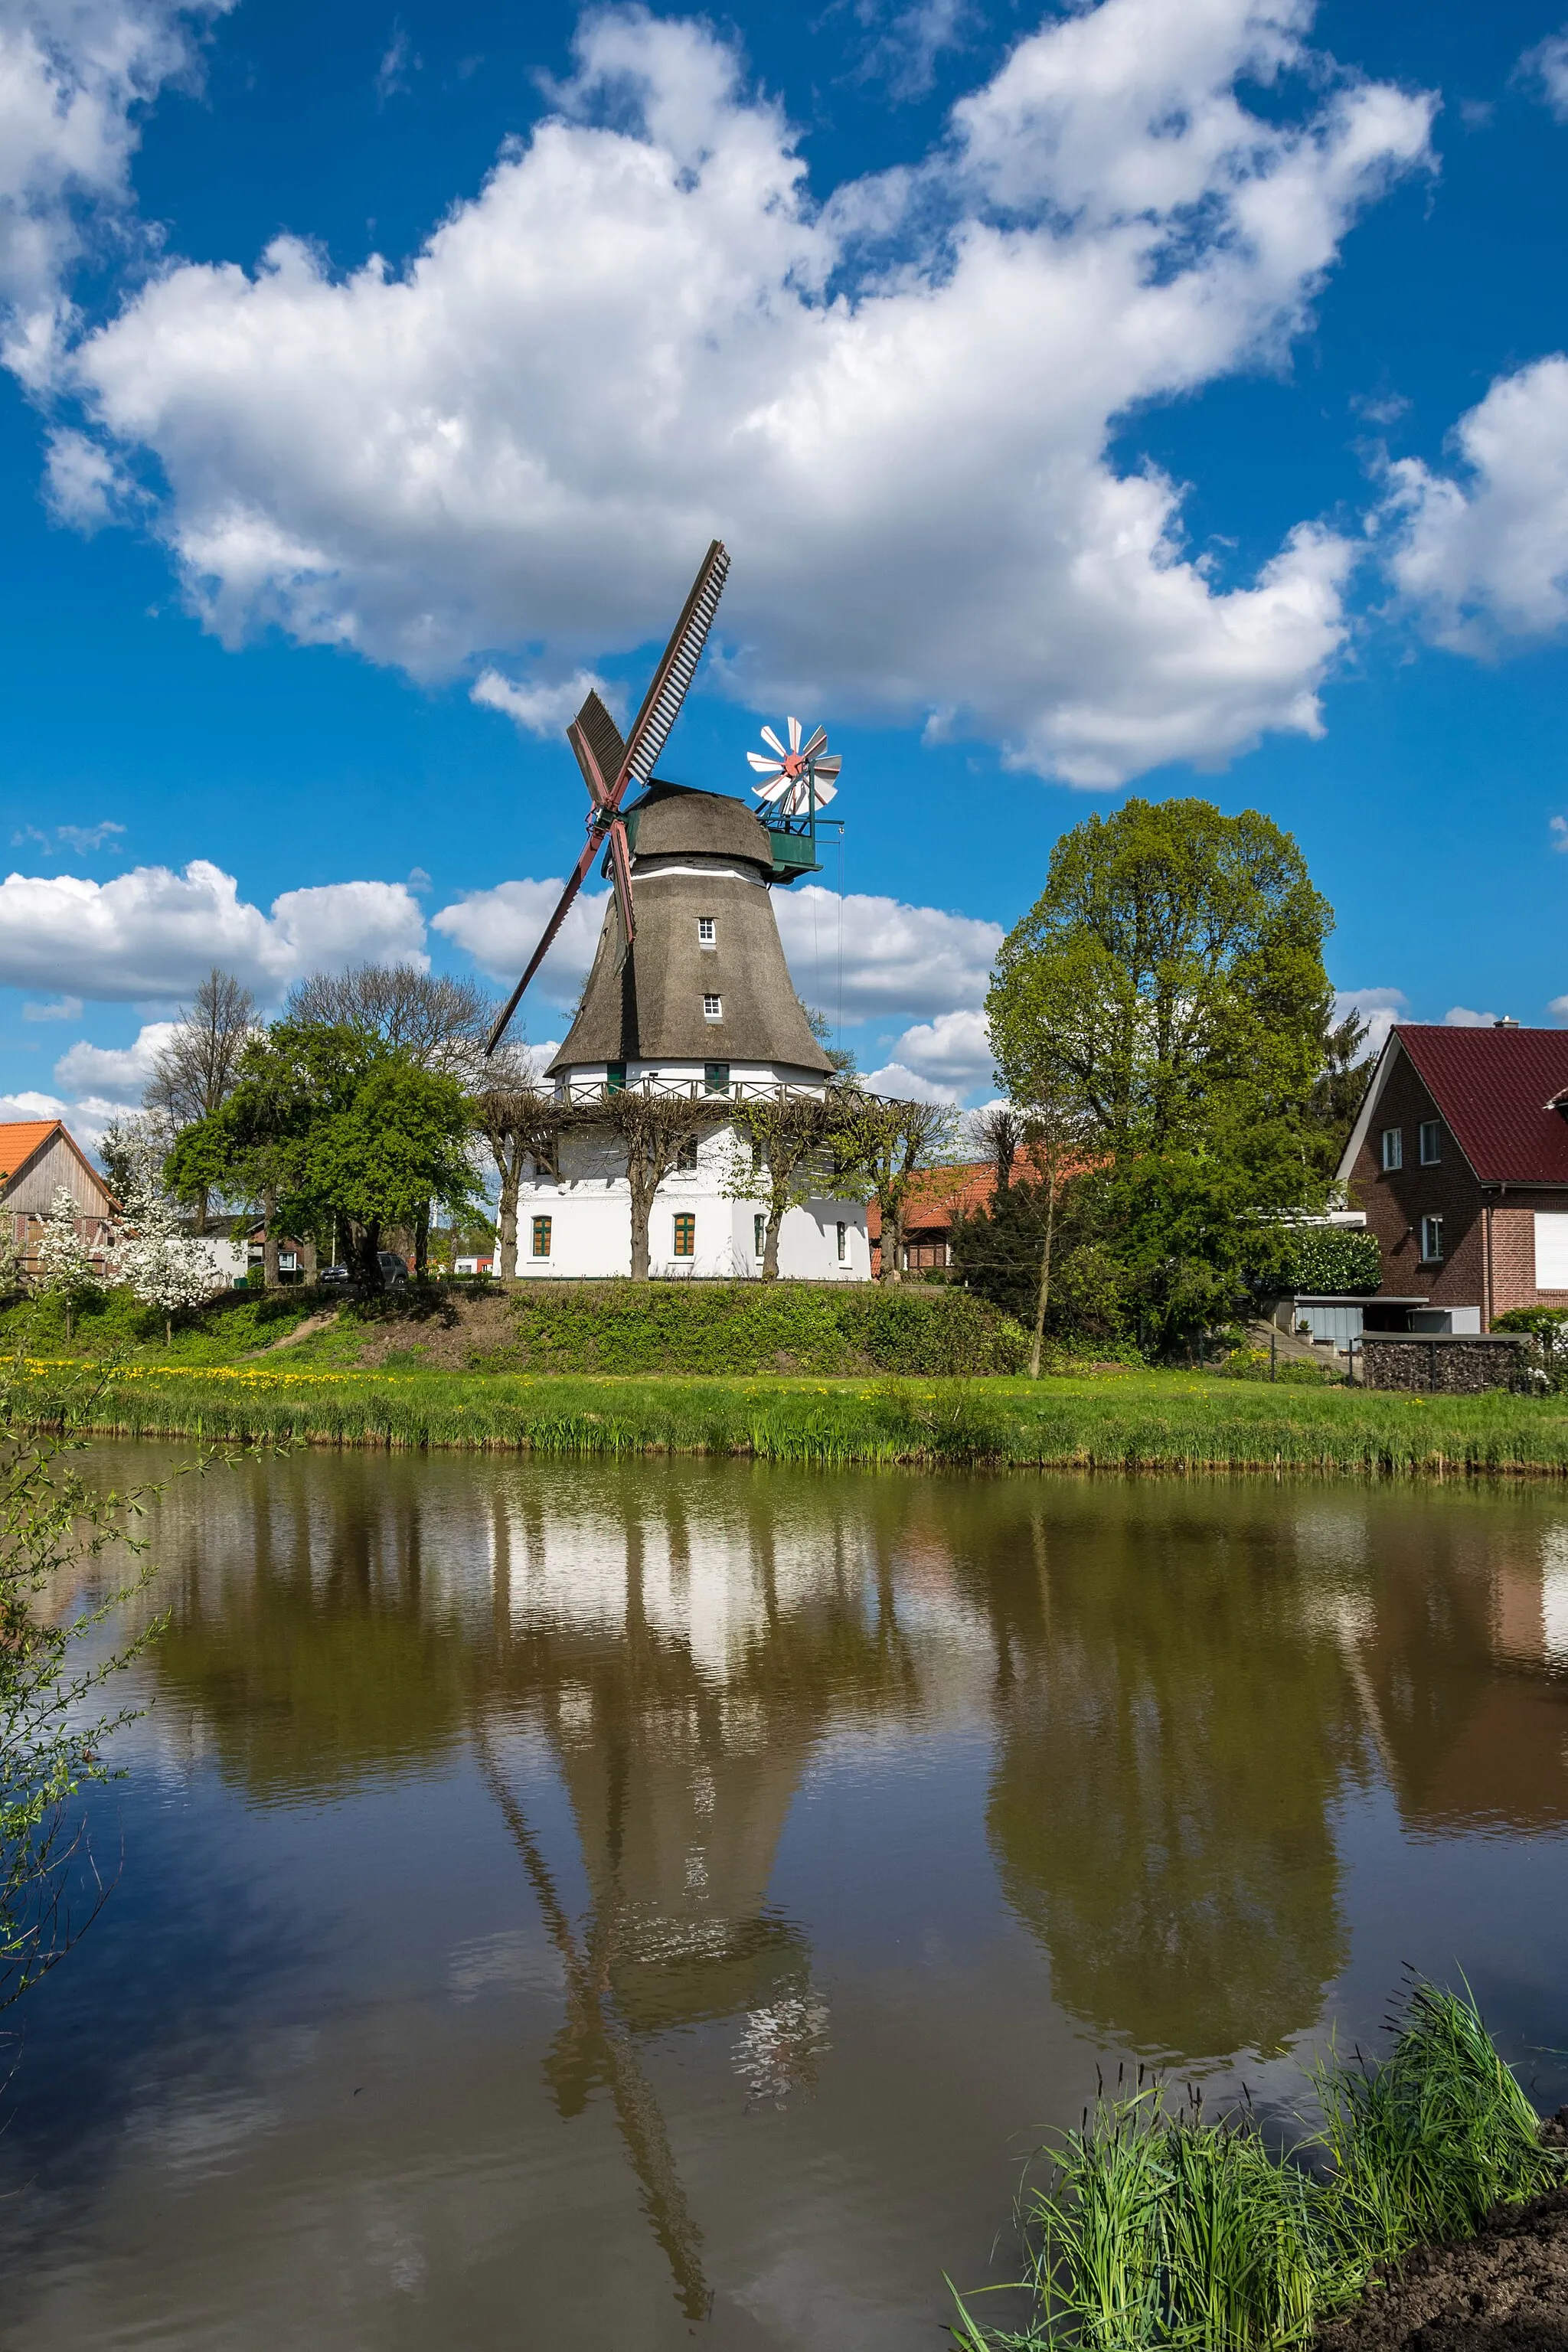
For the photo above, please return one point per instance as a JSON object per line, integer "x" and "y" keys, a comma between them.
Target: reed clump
{"x": 1157, "y": 2228}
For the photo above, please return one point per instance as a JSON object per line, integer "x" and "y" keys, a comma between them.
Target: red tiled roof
{"x": 1492, "y": 1086}
{"x": 19, "y": 1138}
{"x": 940, "y": 1194}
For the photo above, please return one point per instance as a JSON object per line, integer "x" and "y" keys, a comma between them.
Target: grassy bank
{"x": 1159, "y": 2228}
{"x": 1133, "y": 1420}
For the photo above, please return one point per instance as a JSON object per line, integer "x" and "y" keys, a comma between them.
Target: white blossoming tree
{"x": 11, "y": 1276}
{"x": 166, "y": 1267}
{"x": 64, "y": 1265}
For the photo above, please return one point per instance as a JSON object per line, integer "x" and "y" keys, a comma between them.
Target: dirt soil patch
{"x": 1506, "y": 2291}
{"x": 444, "y": 1333}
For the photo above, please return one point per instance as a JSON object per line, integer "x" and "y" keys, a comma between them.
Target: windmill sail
{"x": 609, "y": 762}
{"x": 661, "y": 704}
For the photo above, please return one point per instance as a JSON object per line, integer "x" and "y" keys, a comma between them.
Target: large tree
{"x": 434, "y": 1019}
{"x": 195, "y": 1071}
{"x": 1169, "y": 982}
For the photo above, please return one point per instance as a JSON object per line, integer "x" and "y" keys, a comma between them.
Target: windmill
{"x": 799, "y": 781}
{"x": 611, "y": 766}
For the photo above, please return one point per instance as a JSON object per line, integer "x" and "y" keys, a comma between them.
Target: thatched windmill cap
{"x": 676, "y": 821}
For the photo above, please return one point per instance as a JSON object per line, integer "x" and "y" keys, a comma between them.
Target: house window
{"x": 843, "y": 1245}
{"x": 707, "y": 931}
{"x": 716, "y": 1079}
{"x": 541, "y": 1236}
{"x": 1432, "y": 1241}
{"x": 1551, "y": 1250}
{"x": 615, "y": 1077}
{"x": 1392, "y": 1148}
{"x": 712, "y": 1008}
{"x": 1431, "y": 1142}
{"x": 686, "y": 1237}
{"x": 759, "y": 1235}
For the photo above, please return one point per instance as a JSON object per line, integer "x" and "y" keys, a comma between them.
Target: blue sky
{"x": 1164, "y": 396}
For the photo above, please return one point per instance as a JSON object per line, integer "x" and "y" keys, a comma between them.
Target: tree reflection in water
{"x": 1181, "y": 1681}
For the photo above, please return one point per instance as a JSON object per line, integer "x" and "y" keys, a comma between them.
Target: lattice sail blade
{"x": 772, "y": 740}
{"x": 574, "y": 885}
{"x": 817, "y": 743}
{"x": 677, "y": 666}
{"x": 603, "y": 738}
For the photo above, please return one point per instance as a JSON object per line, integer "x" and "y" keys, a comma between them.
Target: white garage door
{"x": 1551, "y": 1252}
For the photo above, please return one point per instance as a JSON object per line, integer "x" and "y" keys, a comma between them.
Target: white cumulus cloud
{"x": 895, "y": 407}
{"x": 1546, "y": 67}
{"x": 1380, "y": 1008}
{"x": 894, "y": 957}
{"x": 117, "y": 1074}
{"x": 74, "y": 76}
{"x": 954, "y": 1050}
{"x": 909, "y": 1086}
{"x": 1481, "y": 553}
{"x": 500, "y": 928}
{"x": 542, "y": 709}
{"x": 152, "y": 933}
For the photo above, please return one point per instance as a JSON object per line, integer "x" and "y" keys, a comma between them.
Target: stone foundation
{"x": 1443, "y": 1363}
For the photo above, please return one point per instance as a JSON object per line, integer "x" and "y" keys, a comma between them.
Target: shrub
{"x": 1333, "y": 1257}
{"x": 1546, "y": 1327}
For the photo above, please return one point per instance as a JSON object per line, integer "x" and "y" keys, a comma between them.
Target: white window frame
{"x": 1430, "y": 1257}
{"x": 1551, "y": 1250}
{"x": 1430, "y": 1132}
{"x": 707, "y": 931}
{"x": 1393, "y": 1149}
{"x": 712, "y": 1008}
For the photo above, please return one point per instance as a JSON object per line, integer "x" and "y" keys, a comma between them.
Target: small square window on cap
{"x": 712, "y": 1008}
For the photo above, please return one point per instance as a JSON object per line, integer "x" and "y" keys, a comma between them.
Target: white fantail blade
{"x": 818, "y": 742}
{"x": 773, "y": 741}
{"x": 829, "y": 767}
{"x": 825, "y": 792}
{"x": 763, "y": 767}
{"x": 794, "y": 725}
{"x": 775, "y": 791}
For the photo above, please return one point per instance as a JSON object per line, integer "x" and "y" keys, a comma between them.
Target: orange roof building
{"x": 38, "y": 1158}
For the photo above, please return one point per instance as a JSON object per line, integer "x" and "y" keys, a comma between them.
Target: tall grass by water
{"x": 1130, "y": 1422}
{"x": 1158, "y": 2229}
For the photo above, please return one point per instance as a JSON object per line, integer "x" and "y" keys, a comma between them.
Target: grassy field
{"x": 1137, "y": 1421}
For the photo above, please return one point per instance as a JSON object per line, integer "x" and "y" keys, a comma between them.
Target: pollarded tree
{"x": 882, "y": 1146}
{"x": 67, "y": 1268}
{"x": 519, "y": 1124}
{"x": 789, "y": 1160}
{"x": 654, "y": 1131}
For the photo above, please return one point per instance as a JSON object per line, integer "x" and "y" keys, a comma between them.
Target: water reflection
{"x": 1093, "y": 1745}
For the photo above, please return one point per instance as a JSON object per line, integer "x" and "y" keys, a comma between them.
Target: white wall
{"x": 591, "y": 1223}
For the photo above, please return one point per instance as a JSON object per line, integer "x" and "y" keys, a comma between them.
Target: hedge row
{"x": 750, "y": 1326}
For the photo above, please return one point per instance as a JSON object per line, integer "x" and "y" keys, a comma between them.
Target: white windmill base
{"x": 581, "y": 1228}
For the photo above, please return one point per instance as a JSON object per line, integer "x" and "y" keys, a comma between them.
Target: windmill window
{"x": 712, "y": 1008}
{"x": 686, "y": 1158}
{"x": 686, "y": 1237}
{"x": 541, "y": 1236}
{"x": 759, "y": 1235}
{"x": 1392, "y": 1148}
{"x": 843, "y": 1243}
{"x": 615, "y": 1077}
{"x": 716, "y": 1081}
{"x": 707, "y": 931}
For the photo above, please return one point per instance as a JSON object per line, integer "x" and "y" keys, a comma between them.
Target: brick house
{"x": 1459, "y": 1159}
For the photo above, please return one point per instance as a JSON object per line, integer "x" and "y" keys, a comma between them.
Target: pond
{"x": 661, "y": 1905}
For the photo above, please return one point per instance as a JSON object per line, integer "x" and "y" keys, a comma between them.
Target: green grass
{"x": 1130, "y": 1422}
{"x": 1156, "y": 2229}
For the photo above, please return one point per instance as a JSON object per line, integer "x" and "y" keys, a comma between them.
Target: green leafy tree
{"x": 1169, "y": 982}
{"x": 399, "y": 1141}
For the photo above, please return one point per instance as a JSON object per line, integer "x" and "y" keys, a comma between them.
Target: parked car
{"x": 394, "y": 1271}
{"x": 334, "y": 1274}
